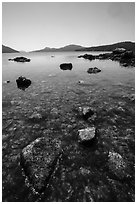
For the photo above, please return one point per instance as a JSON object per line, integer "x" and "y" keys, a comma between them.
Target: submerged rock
{"x": 93, "y": 70}
{"x": 20, "y": 59}
{"x": 86, "y": 135}
{"x": 66, "y": 66}
{"x": 39, "y": 160}
{"x": 116, "y": 165}
{"x": 23, "y": 83}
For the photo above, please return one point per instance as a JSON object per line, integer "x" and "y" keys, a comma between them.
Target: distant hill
{"x": 127, "y": 45}
{"x": 65, "y": 48}
{"x": 6, "y": 49}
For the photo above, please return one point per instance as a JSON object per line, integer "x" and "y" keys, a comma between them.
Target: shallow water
{"x": 111, "y": 95}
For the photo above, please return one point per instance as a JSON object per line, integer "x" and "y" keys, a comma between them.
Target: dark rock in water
{"x": 85, "y": 112}
{"x": 93, "y": 70}
{"x": 103, "y": 56}
{"x": 20, "y": 59}
{"x": 39, "y": 160}
{"x": 125, "y": 57}
{"x": 117, "y": 165}
{"x": 66, "y": 66}
{"x": 86, "y": 56}
{"x": 87, "y": 136}
{"x": 7, "y": 82}
{"x": 23, "y": 83}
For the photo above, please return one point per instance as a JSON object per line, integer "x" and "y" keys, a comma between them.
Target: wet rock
{"x": 38, "y": 160}
{"x": 117, "y": 165}
{"x": 20, "y": 59}
{"x": 85, "y": 112}
{"x": 93, "y": 70}
{"x": 86, "y": 56}
{"x": 23, "y": 83}
{"x": 87, "y": 135}
{"x": 66, "y": 66}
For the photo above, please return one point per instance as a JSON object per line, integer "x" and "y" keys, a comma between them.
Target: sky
{"x": 31, "y": 25}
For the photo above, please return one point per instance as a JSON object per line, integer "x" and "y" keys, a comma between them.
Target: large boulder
{"x": 20, "y": 59}
{"x": 93, "y": 70}
{"x": 23, "y": 83}
{"x": 66, "y": 66}
{"x": 39, "y": 160}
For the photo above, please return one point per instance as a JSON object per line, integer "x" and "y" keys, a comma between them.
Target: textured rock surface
{"x": 87, "y": 134}
{"x": 117, "y": 165}
{"x": 38, "y": 160}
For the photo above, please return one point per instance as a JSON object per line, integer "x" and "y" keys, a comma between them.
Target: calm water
{"x": 110, "y": 93}
{"x": 42, "y": 65}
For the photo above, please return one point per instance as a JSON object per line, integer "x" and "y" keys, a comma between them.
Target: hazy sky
{"x": 29, "y": 26}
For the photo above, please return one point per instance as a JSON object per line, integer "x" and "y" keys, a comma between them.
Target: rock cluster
{"x": 125, "y": 57}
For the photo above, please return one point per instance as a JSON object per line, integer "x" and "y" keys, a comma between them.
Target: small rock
{"x": 117, "y": 165}
{"x": 87, "y": 135}
{"x": 66, "y": 66}
{"x": 80, "y": 82}
{"x": 85, "y": 112}
{"x": 93, "y": 70}
{"x": 7, "y": 82}
{"x": 23, "y": 83}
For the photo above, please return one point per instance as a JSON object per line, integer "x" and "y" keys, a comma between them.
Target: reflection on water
{"x": 83, "y": 174}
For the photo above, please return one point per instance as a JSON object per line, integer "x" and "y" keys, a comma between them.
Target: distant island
{"x": 61, "y": 49}
{"x": 126, "y": 45}
{"x": 6, "y": 49}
